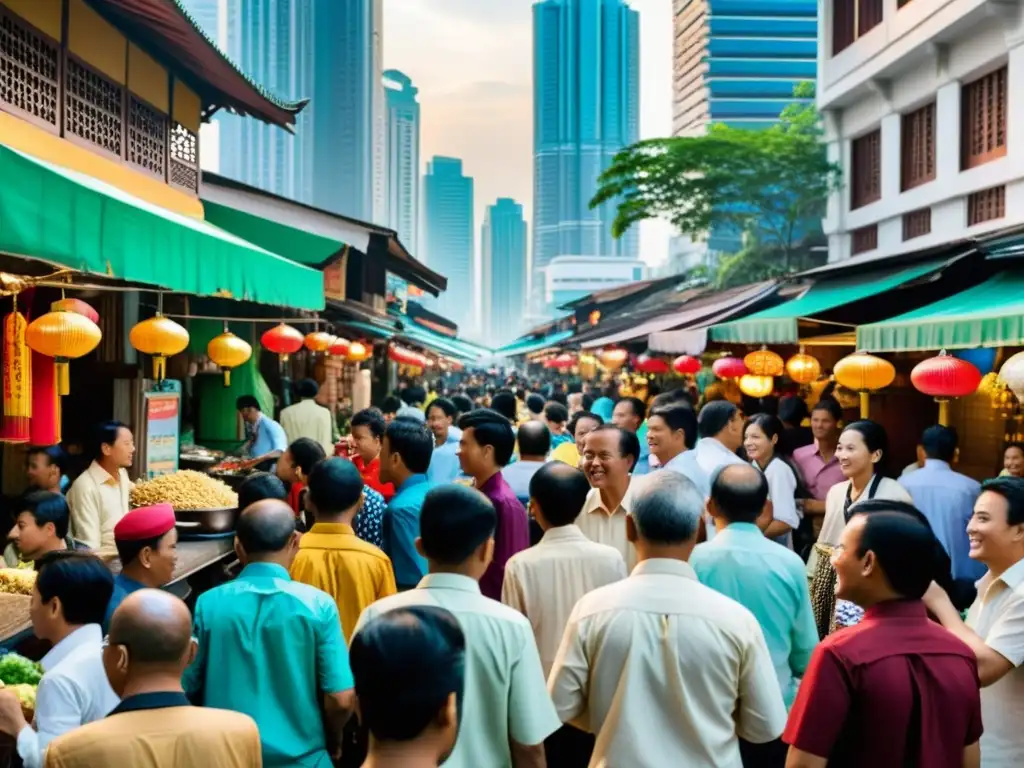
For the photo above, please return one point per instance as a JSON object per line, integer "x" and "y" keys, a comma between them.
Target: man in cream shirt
{"x": 608, "y": 458}
{"x": 307, "y": 418}
{"x": 506, "y": 713}
{"x": 666, "y": 671}
{"x": 99, "y": 498}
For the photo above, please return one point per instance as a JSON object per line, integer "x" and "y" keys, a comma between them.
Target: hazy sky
{"x": 472, "y": 62}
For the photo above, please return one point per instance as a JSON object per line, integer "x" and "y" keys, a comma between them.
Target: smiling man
{"x": 610, "y": 455}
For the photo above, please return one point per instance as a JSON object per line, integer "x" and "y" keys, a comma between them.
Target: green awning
{"x": 988, "y": 315}
{"x": 370, "y": 329}
{"x": 526, "y": 346}
{"x": 71, "y": 219}
{"x": 293, "y": 243}
{"x": 779, "y": 324}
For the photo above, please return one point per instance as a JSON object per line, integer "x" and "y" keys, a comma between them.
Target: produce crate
{"x": 14, "y": 613}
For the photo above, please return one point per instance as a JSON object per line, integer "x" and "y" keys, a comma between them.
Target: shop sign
{"x": 334, "y": 279}
{"x": 163, "y": 435}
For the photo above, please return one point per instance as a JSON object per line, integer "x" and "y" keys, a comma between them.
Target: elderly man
{"x": 663, "y": 669}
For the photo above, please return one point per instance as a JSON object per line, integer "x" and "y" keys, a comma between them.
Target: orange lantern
{"x": 17, "y": 378}
{"x": 756, "y": 386}
{"x": 63, "y": 336}
{"x": 282, "y": 340}
{"x": 764, "y": 362}
{"x": 228, "y": 351}
{"x": 160, "y": 337}
{"x": 613, "y": 358}
{"x": 864, "y": 373}
{"x": 318, "y": 341}
{"x": 339, "y": 347}
{"x": 358, "y": 352}
{"x": 802, "y": 368}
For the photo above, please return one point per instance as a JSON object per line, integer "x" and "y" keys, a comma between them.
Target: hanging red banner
{"x": 45, "y": 429}
{"x": 17, "y": 381}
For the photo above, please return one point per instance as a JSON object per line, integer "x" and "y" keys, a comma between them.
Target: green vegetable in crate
{"x": 17, "y": 670}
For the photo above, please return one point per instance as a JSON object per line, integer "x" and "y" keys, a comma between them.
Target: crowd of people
{"x": 527, "y": 578}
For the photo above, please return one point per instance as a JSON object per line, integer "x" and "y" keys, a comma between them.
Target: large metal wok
{"x": 213, "y": 520}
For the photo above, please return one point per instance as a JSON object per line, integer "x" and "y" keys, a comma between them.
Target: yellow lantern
{"x": 160, "y": 337}
{"x": 757, "y": 386}
{"x": 318, "y": 341}
{"x": 864, "y": 373}
{"x": 763, "y": 362}
{"x": 613, "y": 359}
{"x": 358, "y": 352}
{"x": 802, "y": 368}
{"x": 63, "y": 336}
{"x": 228, "y": 351}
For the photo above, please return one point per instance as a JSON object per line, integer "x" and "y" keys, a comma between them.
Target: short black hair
{"x": 307, "y": 389}
{"x": 679, "y": 416}
{"x": 105, "y": 433}
{"x": 714, "y": 417}
{"x": 560, "y": 491}
{"x": 305, "y": 453}
{"x": 491, "y": 428}
{"x": 265, "y": 531}
{"x": 46, "y": 507}
{"x": 446, "y": 406}
{"x": 247, "y": 401}
{"x": 259, "y": 486}
{"x": 534, "y": 439}
{"x": 588, "y": 401}
{"x": 578, "y": 417}
{"x": 413, "y": 395}
{"x": 793, "y": 410}
{"x": 371, "y": 418}
{"x": 413, "y": 442}
{"x": 406, "y": 664}
{"x": 535, "y": 403}
{"x": 454, "y": 521}
{"x": 56, "y": 455}
{"x": 334, "y": 486}
{"x": 559, "y": 397}
{"x": 1014, "y": 444}
{"x": 462, "y": 403}
{"x": 556, "y": 413}
{"x": 1011, "y": 489}
{"x": 739, "y": 492}
{"x": 391, "y": 404}
{"x": 835, "y": 410}
{"x": 629, "y": 443}
{"x": 939, "y": 442}
{"x": 81, "y": 581}
{"x": 637, "y": 406}
{"x": 906, "y": 549}
{"x": 505, "y": 404}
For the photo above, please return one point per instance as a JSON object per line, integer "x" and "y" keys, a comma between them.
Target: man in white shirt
{"x": 609, "y": 456}
{"x": 307, "y": 418}
{"x": 545, "y": 582}
{"x": 506, "y": 711}
{"x": 671, "y": 434}
{"x": 666, "y": 671}
{"x": 534, "y": 441}
{"x": 720, "y": 426}
{"x": 71, "y": 592}
{"x": 99, "y": 498}
{"x": 994, "y": 629}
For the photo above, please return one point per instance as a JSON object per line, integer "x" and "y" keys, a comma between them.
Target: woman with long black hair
{"x": 761, "y": 437}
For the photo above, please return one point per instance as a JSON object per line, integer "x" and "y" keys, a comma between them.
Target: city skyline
{"x": 503, "y": 245}
{"x": 450, "y": 241}
{"x": 403, "y": 157}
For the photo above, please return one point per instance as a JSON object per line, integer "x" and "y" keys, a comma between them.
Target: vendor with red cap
{"x": 147, "y": 543}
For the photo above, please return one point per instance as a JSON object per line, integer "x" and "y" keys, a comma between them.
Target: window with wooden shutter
{"x": 865, "y": 239}
{"x": 986, "y": 205}
{"x": 852, "y": 19}
{"x": 866, "y": 169}
{"x": 983, "y": 119}
{"x": 917, "y": 150}
{"x": 917, "y": 223}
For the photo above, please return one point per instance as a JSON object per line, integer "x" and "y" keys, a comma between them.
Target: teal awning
{"x": 370, "y": 329}
{"x": 988, "y": 315}
{"x": 780, "y": 324}
{"x": 68, "y": 218}
{"x": 526, "y": 346}
{"x": 438, "y": 342}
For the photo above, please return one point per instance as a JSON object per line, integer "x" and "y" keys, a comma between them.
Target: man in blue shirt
{"x": 278, "y": 642}
{"x": 444, "y": 463}
{"x": 265, "y": 438}
{"x": 147, "y": 544}
{"x": 767, "y": 578}
{"x": 404, "y": 459}
{"x": 946, "y": 498}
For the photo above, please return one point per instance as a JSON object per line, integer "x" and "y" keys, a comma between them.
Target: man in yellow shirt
{"x": 331, "y": 557}
{"x": 98, "y": 499}
{"x": 307, "y": 418}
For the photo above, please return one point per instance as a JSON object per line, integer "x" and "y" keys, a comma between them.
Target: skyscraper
{"x": 325, "y": 50}
{"x": 448, "y": 232}
{"x": 504, "y": 271}
{"x": 586, "y": 106}
{"x": 207, "y": 13}
{"x": 403, "y": 158}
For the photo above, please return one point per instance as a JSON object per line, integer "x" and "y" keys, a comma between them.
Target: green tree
{"x": 773, "y": 183}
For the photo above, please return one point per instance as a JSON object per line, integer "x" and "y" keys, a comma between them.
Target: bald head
{"x": 739, "y": 493}
{"x": 155, "y": 627}
{"x": 534, "y": 440}
{"x": 265, "y": 527}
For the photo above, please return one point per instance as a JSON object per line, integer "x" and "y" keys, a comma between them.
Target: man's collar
{"x": 264, "y": 571}
{"x": 88, "y": 634}
{"x": 595, "y": 503}
{"x": 101, "y": 476}
{"x": 664, "y": 566}
{"x": 741, "y": 529}
{"x": 1014, "y": 575}
{"x": 155, "y": 700}
{"x": 331, "y": 528}
{"x": 560, "y": 534}
{"x": 454, "y": 581}
{"x": 410, "y": 481}
{"x": 938, "y": 464}
{"x": 897, "y": 609}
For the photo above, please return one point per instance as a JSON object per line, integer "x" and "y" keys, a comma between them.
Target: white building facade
{"x": 923, "y": 106}
{"x": 567, "y": 278}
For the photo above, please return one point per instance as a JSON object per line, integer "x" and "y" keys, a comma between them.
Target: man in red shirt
{"x": 896, "y": 689}
{"x": 367, "y": 437}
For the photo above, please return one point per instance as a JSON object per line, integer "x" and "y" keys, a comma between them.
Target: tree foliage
{"x": 756, "y": 261}
{"x": 770, "y": 182}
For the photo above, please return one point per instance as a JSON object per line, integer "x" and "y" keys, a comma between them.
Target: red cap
{"x": 145, "y": 523}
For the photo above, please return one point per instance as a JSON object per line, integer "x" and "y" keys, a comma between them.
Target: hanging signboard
{"x": 163, "y": 435}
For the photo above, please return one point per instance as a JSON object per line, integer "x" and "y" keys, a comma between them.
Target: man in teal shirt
{"x": 765, "y": 577}
{"x": 404, "y": 459}
{"x": 272, "y": 648}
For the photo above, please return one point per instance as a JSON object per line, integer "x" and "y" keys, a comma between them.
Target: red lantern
{"x": 943, "y": 377}
{"x": 339, "y": 347}
{"x": 282, "y": 340}
{"x": 318, "y": 341}
{"x": 650, "y": 365}
{"x": 402, "y": 356}
{"x": 563, "y": 362}
{"x": 685, "y": 365}
{"x": 729, "y": 368}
